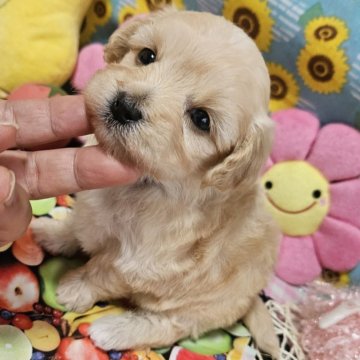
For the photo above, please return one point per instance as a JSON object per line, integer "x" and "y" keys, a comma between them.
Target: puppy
{"x": 184, "y": 99}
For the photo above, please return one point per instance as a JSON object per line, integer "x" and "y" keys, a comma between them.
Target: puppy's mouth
{"x": 116, "y": 123}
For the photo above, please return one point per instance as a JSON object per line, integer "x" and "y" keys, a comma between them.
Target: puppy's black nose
{"x": 123, "y": 110}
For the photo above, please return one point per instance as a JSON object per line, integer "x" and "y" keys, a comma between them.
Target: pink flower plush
{"x": 313, "y": 191}
{"x": 90, "y": 60}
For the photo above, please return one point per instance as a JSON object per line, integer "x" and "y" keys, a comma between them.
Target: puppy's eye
{"x": 201, "y": 119}
{"x": 146, "y": 56}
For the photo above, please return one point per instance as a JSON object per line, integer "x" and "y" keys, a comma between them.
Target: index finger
{"x": 62, "y": 171}
{"x": 42, "y": 121}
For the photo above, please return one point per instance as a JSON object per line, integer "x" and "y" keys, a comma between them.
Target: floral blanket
{"x": 34, "y": 326}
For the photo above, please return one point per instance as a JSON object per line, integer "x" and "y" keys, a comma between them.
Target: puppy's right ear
{"x": 243, "y": 165}
{"x": 118, "y": 44}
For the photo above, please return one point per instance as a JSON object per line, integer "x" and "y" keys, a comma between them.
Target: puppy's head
{"x": 184, "y": 95}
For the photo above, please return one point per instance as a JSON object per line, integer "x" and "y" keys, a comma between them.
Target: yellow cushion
{"x": 39, "y": 40}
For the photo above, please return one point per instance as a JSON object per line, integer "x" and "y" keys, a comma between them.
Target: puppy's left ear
{"x": 243, "y": 165}
{"x": 118, "y": 44}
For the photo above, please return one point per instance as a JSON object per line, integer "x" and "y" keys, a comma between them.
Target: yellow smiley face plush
{"x": 312, "y": 189}
{"x": 298, "y": 196}
{"x": 39, "y": 41}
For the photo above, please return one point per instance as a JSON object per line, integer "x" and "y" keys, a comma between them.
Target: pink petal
{"x": 297, "y": 263}
{"x": 89, "y": 61}
{"x": 269, "y": 163}
{"x": 345, "y": 201}
{"x": 295, "y": 133}
{"x": 336, "y": 152}
{"x": 337, "y": 245}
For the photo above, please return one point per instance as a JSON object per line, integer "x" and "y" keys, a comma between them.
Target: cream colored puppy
{"x": 184, "y": 99}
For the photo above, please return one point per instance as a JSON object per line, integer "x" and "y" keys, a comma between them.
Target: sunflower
{"x": 128, "y": 11}
{"x": 146, "y": 6}
{"x": 98, "y": 14}
{"x": 158, "y": 4}
{"x": 330, "y": 30}
{"x": 284, "y": 89}
{"x": 253, "y": 16}
{"x": 323, "y": 67}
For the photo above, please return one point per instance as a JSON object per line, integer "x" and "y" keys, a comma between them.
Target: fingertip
{"x": 119, "y": 171}
{"x": 7, "y": 185}
{"x": 95, "y": 169}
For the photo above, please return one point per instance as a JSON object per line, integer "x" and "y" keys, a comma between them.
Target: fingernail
{"x": 10, "y": 124}
{"x": 10, "y": 198}
{"x": 8, "y": 117}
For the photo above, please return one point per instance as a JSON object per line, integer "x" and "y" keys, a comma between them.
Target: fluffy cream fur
{"x": 190, "y": 245}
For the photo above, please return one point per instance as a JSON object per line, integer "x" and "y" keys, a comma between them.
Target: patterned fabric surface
{"x": 312, "y": 47}
{"x": 34, "y": 326}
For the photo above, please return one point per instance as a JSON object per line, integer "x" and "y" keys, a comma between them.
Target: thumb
{"x": 15, "y": 209}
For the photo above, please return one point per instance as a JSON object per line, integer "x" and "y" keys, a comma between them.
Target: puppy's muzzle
{"x": 123, "y": 110}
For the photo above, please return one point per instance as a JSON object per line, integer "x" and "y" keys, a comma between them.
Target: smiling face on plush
{"x": 297, "y": 196}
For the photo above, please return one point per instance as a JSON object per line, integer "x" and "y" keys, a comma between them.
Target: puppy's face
{"x": 184, "y": 95}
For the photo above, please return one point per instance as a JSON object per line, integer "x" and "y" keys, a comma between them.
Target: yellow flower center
{"x": 297, "y": 195}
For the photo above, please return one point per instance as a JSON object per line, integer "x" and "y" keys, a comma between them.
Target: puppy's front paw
{"x": 43, "y": 235}
{"x": 75, "y": 293}
{"x": 54, "y": 236}
{"x": 116, "y": 333}
{"x": 135, "y": 331}
{"x": 271, "y": 347}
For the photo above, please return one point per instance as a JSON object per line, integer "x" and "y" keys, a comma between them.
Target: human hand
{"x": 30, "y": 174}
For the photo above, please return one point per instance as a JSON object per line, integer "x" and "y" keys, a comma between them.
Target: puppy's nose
{"x": 123, "y": 110}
